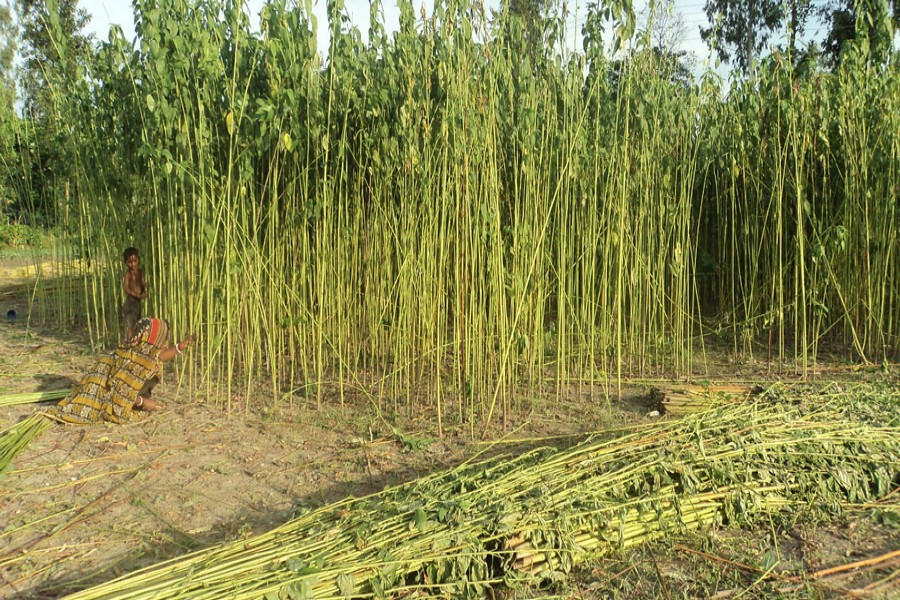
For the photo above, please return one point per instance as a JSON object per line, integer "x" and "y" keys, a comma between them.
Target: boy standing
{"x": 135, "y": 290}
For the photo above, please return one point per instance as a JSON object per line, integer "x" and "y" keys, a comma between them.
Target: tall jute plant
{"x": 437, "y": 218}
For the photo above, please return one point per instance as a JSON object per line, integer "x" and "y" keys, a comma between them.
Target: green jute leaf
{"x": 421, "y": 519}
{"x": 297, "y": 565}
{"x": 300, "y": 590}
{"x": 768, "y": 561}
{"x": 346, "y": 584}
{"x": 378, "y": 588}
{"x": 888, "y": 517}
{"x": 842, "y": 477}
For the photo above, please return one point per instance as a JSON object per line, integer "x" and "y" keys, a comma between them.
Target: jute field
{"x": 479, "y": 312}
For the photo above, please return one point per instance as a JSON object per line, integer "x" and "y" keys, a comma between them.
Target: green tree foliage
{"x": 8, "y": 44}
{"x": 531, "y": 17}
{"x": 56, "y": 55}
{"x": 54, "y": 51}
{"x": 740, "y": 29}
{"x": 850, "y": 20}
{"x": 8, "y": 117}
{"x": 798, "y": 13}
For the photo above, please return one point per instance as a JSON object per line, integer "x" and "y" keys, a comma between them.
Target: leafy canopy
{"x": 740, "y": 29}
{"x": 54, "y": 46}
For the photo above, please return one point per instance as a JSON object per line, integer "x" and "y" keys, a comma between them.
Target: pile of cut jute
{"x": 683, "y": 399}
{"x": 527, "y": 517}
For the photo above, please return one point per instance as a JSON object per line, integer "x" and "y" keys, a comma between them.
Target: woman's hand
{"x": 172, "y": 351}
{"x": 186, "y": 343}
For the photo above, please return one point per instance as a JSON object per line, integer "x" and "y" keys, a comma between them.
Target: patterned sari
{"x": 108, "y": 391}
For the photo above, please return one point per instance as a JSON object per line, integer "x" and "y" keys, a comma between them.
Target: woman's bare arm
{"x": 170, "y": 352}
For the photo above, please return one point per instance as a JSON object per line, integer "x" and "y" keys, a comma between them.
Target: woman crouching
{"x": 123, "y": 380}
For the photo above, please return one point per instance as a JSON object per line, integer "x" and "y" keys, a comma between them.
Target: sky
{"x": 106, "y": 12}
{"x": 692, "y": 18}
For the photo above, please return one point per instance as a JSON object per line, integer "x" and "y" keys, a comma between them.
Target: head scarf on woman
{"x": 108, "y": 391}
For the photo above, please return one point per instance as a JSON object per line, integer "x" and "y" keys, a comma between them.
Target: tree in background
{"x": 665, "y": 26}
{"x": 9, "y": 34}
{"x": 879, "y": 18}
{"x": 740, "y": 29}
{"x": 55, "y": 52}
{"x": 8, "y": 118}
{"x": 54, "y": 49}
{"x": 798, "y": 14}
{"x": 531, "y": 15}
{"x": 666, "y": 31}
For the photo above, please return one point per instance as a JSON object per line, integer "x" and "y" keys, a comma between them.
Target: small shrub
{"x": 17, "y": 236}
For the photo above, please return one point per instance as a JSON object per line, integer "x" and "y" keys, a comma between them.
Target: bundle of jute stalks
{"x": 531, "y": 516}
{"x": 32, "y": 397}
{"x": 16, "y": 437}
{"x": 684, "y": 399}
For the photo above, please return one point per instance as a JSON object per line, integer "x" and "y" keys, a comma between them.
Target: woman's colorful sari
{"x": 108, "y": 391}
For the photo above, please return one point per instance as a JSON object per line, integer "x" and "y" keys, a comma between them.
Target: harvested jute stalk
{"x": 686, "y": 399}
{"x": 533, "y": 516}
{"x": 16, "y": 438}
{"x": 32, "y": 397}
